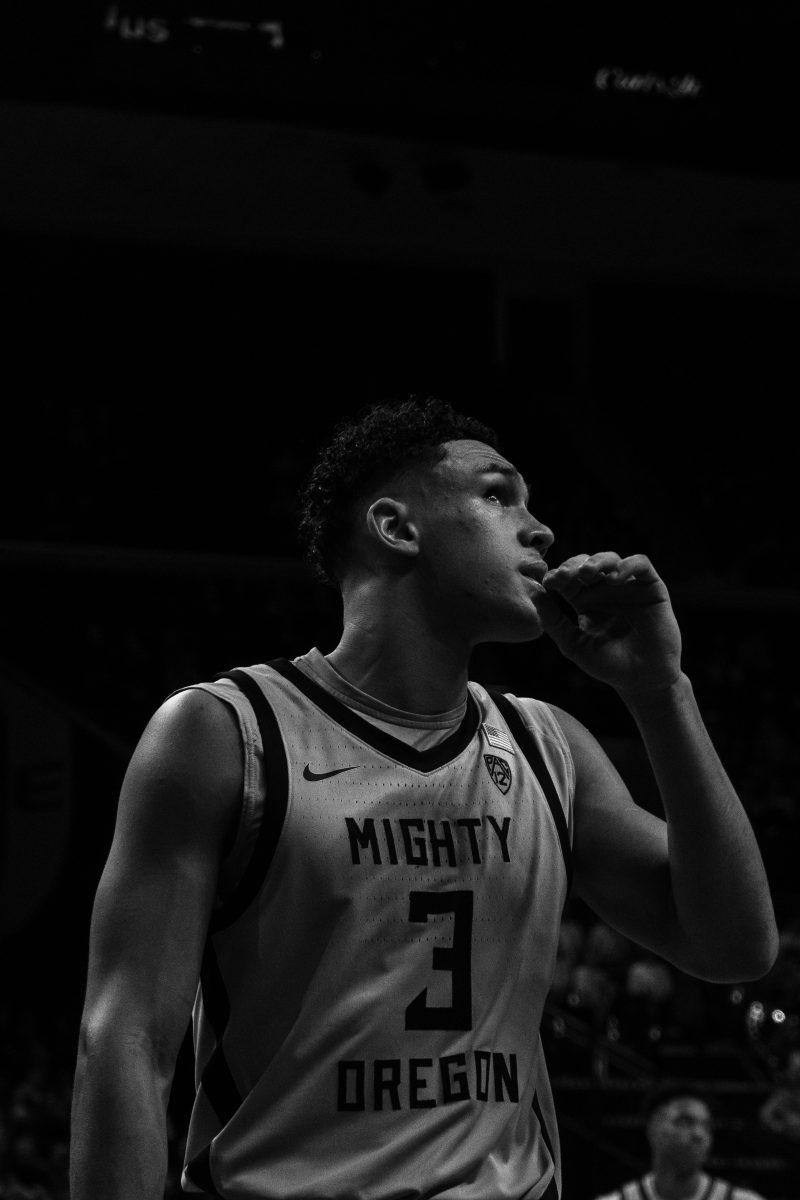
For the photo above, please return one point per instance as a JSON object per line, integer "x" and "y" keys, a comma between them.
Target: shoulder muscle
{"x": 180, "y": 793}
{"x": 184, "y": 781}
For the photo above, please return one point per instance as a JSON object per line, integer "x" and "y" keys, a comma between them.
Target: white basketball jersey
{"x": 708, "y": 1188}
{"x": 367, "y": 1021}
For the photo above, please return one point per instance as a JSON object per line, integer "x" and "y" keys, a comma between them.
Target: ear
{"x": 389, "y": 523}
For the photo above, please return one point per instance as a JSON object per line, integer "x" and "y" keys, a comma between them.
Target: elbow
{"x": 767, "y": 953}
{"x": 749, "y": 970}
{"x": 744, "y": 962}
{"x": 763, "y": 952}
{"x": 115, "y": 1034}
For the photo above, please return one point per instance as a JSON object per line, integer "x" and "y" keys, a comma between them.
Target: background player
{"x": 679, "y": 1130}
{"x": 425, "y": 526}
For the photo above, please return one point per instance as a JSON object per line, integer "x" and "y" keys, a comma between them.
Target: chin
{"x": 525, "y": 628}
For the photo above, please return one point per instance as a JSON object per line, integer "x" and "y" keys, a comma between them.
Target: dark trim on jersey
{"x": 712, "y": 1180}
{"x": 551, "y": 1191}
{"x": 384, "y": 743}
{"x": 527, "y": 744}
{"x": 537, "y": 1108}
{"x": 199, "y": 1171}
{"x": 217, "y": 1081}
{"x": 276, "y": 774}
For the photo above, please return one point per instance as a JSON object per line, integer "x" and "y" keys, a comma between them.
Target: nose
{"x": 539, "y": 536}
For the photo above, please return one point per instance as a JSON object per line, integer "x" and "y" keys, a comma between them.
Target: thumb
{"x": 557, "y": 623}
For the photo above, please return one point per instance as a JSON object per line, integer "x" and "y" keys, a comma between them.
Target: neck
{"x": 673, "y": 1183}
{"x": 390, "y": 650}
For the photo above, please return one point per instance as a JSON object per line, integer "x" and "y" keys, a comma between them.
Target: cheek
{"x": 463, "y": 540}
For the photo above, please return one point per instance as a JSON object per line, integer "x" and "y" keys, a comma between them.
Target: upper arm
{"x": 180, "y": 794}
{"x": 620, "y": 856}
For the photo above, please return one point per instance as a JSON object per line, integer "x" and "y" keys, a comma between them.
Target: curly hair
{"x": 379, "y": 443}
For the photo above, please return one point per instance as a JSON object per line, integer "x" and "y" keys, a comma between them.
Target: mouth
{"x": 534, "y": 572}
{"x": 534, "y": 586}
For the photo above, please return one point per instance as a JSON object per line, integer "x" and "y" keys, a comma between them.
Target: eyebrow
{"x": 498, "y": 468}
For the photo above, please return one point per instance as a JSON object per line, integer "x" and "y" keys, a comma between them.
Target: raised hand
{"x": 626, "y": 633}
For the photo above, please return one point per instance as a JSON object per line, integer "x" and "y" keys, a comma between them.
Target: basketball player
{"x": 679, "y": 1130}
{"x": 361, "y": 858}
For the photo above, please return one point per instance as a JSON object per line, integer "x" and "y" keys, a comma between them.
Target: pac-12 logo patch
{"x": 499, "y": 771}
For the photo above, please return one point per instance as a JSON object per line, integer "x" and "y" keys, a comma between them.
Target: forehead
{"x": 696, "y": 1109}
{"x": 465, "y": 457}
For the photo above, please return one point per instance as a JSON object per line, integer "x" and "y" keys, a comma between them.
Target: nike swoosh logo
{"x": 312, "y": 775}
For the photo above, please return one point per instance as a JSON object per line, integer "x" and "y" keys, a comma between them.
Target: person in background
{"x": 679, "y": 1128}
{"x": 780, "y": 1112}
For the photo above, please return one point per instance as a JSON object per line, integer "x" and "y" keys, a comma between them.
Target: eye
{"x": 495, "y": 494}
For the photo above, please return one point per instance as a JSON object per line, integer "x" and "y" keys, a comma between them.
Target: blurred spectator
{"x": 571, "y": 938}
{"x": 608, "y": 950}
{"x": 643, "y": 1007}
{"x": 650, "y": 980}
{"x": 36, "y": 1071}
{"x": 679, "y": 1129}
{"x": 591, "y": 994}
{"x": 780, "y": 1113}
{"x": 773, "y": 1015}
{"x": 589, "y": 970}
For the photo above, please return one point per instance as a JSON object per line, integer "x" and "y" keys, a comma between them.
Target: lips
{"x": 534, "y": 570}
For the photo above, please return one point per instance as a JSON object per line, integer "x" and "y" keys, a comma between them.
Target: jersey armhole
{"x": 511, "y": 710}
{"x": 553, "y": 732}
{"x": 265, "y": 829}
{"x": 242, "y": 832}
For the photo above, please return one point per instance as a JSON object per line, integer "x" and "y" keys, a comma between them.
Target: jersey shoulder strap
{"x": 527, "y": 744}
{"x": 276, "y": 789}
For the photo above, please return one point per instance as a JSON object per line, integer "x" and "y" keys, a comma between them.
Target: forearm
{"x": 119, "y": 1140}
{"x": 720, "y": 894}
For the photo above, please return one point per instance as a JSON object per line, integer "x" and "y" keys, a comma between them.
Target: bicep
{"x": 156, "y": 893}
{"x": 620, "y": 852}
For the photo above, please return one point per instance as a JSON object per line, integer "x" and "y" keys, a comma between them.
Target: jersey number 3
{"x": 455, "y": 958}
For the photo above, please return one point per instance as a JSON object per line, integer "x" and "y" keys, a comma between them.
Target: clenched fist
{"x": 626, "y": 633}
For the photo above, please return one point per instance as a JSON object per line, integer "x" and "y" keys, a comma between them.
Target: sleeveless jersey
{"x": 709, "y": 1189}
{"x": 367, "y": 1021}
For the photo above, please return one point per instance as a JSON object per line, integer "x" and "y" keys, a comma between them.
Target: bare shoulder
{"x": 192, "y": 731}
{"x": 583, "y": 744}
{"x": 179, "y": 797}
{"x": 185, "y": 775}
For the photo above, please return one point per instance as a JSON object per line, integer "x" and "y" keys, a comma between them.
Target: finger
{"x": 557, "y": 624}
{"x": 570, "y": 564}
{"x": 601, "y": 565}
{"x": 564, "y": 578}
{"x": 583, "y": 570}
{"x": 636, "y": 566}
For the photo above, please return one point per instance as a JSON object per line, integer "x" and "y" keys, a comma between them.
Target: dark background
{"x": 218, "y": 241}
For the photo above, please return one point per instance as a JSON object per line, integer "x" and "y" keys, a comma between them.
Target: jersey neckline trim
{"x": 419, "y": 760}
{"x": 315, "y": 666}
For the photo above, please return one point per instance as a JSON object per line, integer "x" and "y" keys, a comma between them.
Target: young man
{"x": 363, "y": 857}
{"x": 679, "y": 1130}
